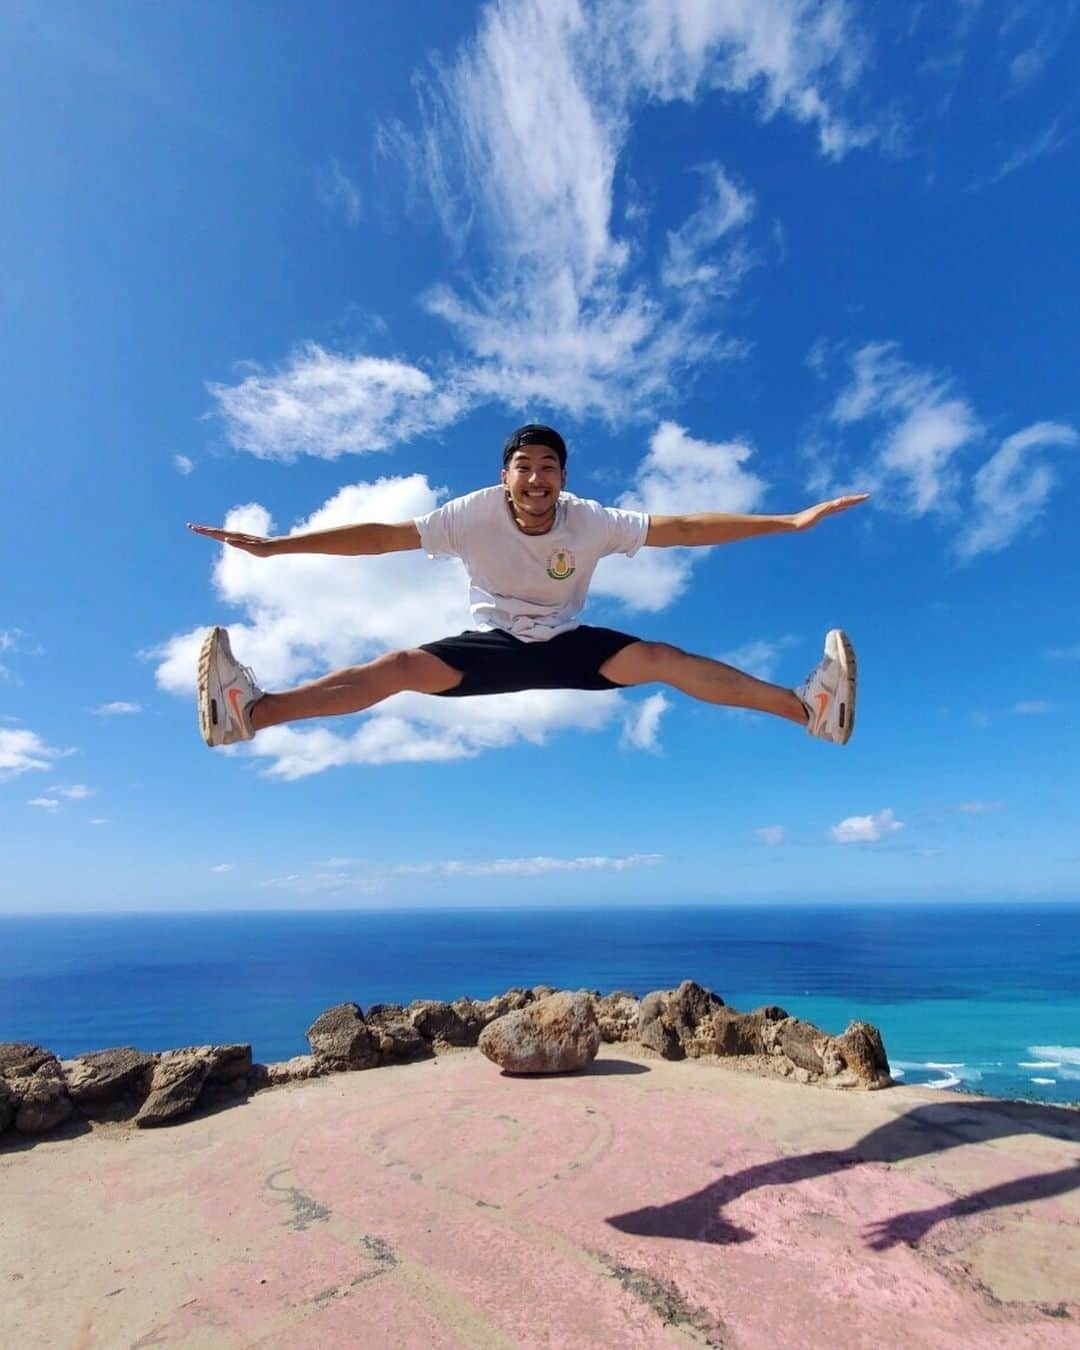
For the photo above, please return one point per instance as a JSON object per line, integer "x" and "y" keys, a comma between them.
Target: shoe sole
{"x": 206, "y": 703}
{"x": 849, "y": 666}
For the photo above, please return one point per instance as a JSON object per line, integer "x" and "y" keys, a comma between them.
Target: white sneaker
{"x": 829, "y": 692}
{"x": 227, "y": 691}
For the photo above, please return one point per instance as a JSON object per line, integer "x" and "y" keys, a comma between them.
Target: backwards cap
{"x": 535, "y": 434}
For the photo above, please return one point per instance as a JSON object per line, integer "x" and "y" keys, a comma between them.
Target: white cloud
{"x": 223, "y": 867}
{"x": 641, "y": 723}
{"x": 772, "y": 835}
{"x": 563, "y": 313}
{"x": 759, "y": 658}
{"x": 303, "y": 615}
{"x": 97, "y": 820}
{"x": 528, "y": 867}
{"x": 327, "y": 405}
{"x": 320, "y": 883}
{"x": 119, "y": 708}
{"x": 1031, "y": 707}
{"x": 680, "y": 474}
{"x": 75, "y": 792}
{"x": 1009, "y": 491}
{"x": 866, "y": 829}
{"x": 1064, "y": 653}
{"x": 336, "y": 190}
{"x": 22, "y": 751}
{"x": 691, "y": 259}
{"x": 1048, "y": 142}
{"x": 183, "y": 464}
{"x": 979, "y": 808}
{"x": 924, "y": 424}
{"x": 45, "y": 803}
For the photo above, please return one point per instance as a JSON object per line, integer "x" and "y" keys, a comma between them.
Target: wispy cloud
{"x": 337, "y": 191}
{"x": 119, "y": 708}
{"x": 326, "y": 405}
{"x": 183, "y": 464}
{"x": 641, "y": 723}
{"x": 759, "y": 658}
{"x": 528, "y": 867}
{"x": 223, "y": 867}
{"x": 75, "y": 792}
{"x": 1064, "y": 653}
{"x": 22, "y": 751}
{"x": 979, "y": 808}
{"x": 926, "y": 432}
{"x": 1031, "y": 707}
{"x": 1010, "y": 490}
{"x": 1048, "y": 142}
{"x": 770, "y": 835}
{"x": 866, "y": 829}
{"x": 44, "y": 803}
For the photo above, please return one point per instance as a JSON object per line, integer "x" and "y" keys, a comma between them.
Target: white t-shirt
{"x": 531, "y": 585}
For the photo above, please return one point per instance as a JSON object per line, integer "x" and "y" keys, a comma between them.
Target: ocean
{"x": 982, "y": 998}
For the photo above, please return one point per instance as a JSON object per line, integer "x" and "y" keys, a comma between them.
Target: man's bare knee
{"x": 420, "y": 671}
{"x": 643, "y": 663}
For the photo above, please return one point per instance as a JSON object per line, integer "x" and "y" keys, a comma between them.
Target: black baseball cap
{"x": 535, "y": 434}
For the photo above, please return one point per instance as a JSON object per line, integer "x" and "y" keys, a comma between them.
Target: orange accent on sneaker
{"x": 823, "y": 704}
{"x": 234, "y": 701}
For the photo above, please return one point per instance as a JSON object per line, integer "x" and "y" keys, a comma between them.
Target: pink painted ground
{"x": 641, "y": 1204}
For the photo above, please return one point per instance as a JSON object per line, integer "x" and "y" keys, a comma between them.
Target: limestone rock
{"x": 104, "y": 1079}
{"x": 394, "y": 1033}
{"x": 7, "y": 1106}
{"x": 176, "y": 1084}
{"x": 476, "y": 1014}
{"x": 230, "y": 1064}
{"x": 680, "y": 1023}
{"x": 802, "y": 1043}
{"x": 292, "y": 1070}
{"x": 617, "y": 1014}
{"x": 736, "y": 1033}
{"x": 340, "y": 1039}
{"x": 41, "y": 1097}
{"x": 439, "y": 1023}
{"x": 19, "y": 1059}
{"x": 558, "y": 1034}
{"x": 857, "y": 1058}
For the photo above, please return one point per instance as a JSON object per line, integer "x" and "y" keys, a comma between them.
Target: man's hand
{"x": 250, "y": 543}
{"x": 805, "y": 520}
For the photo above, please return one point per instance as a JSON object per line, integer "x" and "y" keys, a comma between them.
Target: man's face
{"x": 534, "y": 480}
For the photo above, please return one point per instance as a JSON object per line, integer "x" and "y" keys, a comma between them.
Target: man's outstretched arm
{"x": 712, "y": 528}
{"x": 345, "y": 541}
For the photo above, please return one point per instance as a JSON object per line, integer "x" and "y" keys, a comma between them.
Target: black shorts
{"x": 499, "y": 663}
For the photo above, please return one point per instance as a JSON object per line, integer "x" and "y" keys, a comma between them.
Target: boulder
{"x": 802, "y": 1043}
{"x": 557, "y": 1034}
{"x": 439, "y": 1024}
{"x": 175, "y": 1085}
{"x": 680, "y": 1023}
{"x": 105, "y": 1079}
{"x": 476, "y": 1014}
{"x": 394, "y": 1033}
{"x": 230, "y": 1064}
{"x": 617, "y": 1015}
{"x": 340, "y": 1039}
{"x": 19, "y": 1059}
{"x": 736, "y": 1033}
{"x": 7, "y": 1106}
{"x": 857, "y": 1058}
{"x": 41, "y": 1098}
{"x": 290, "y": 1070}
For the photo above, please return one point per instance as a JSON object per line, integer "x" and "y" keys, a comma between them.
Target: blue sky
{"x": 285, "y": 268}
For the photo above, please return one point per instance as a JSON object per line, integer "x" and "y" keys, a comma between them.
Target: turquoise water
{"x": 984, "y": 998}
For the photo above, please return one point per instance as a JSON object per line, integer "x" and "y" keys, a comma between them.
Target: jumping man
{"x": 530, "y": 549}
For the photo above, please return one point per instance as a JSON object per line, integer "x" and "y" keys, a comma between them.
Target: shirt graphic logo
{"x": 561, "y": 564}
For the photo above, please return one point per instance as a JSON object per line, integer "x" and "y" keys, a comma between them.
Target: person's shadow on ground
{"x": 925, "y": 1130}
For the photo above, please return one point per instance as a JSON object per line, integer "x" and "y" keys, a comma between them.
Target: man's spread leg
{"x": 702, "y": 678}
{"x": 356, "y": 688}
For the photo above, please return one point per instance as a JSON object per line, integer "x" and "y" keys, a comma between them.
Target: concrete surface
{"x": 641, "y": 1204}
